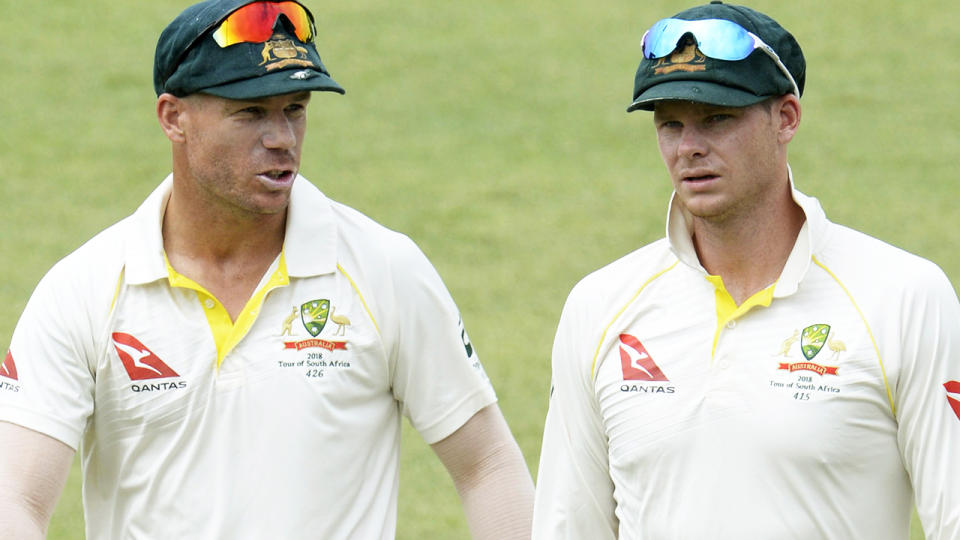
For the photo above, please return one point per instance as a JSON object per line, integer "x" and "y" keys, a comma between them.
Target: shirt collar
{"x": 310, "y": 242}
{"x": 309, "y": 247}
{"x": 808, "y": 242}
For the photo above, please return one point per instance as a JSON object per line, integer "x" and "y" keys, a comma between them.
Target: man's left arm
{"x": 438, "y": 380}
{"x": 928, "y": 403}
{"x": 490, "y": 475}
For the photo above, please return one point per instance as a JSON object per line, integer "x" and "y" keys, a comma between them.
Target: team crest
{"x": 687, "y": 57}
{"x": 813, "y": 338}
{"x": 314, "y": 315}
{"x": 279, "y": 53}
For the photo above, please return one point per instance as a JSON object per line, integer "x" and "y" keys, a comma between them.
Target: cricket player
{"x": 233, "y": 360}
{"x": 761, "y": 372}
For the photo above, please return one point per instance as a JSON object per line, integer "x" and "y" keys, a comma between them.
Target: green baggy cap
{"x": 689, "y": 75}
{"x": 188, "y": 59}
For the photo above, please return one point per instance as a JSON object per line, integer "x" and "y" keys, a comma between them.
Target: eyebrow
{"x": 300, "y": 96}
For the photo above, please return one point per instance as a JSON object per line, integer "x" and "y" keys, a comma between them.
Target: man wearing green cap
{"x": 233, "y": 359}
{"x": 760, "y": 372}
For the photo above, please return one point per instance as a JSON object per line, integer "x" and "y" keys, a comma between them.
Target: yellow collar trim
{"x": 727, "y": 308}
{"x": 227, "y": 333}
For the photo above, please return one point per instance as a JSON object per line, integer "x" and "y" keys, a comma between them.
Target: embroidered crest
{"x": 686, "y": 57}
{"x": 314, "y": 315}
{"x": 281, "y": 53}
{"x": 813, "y": 339}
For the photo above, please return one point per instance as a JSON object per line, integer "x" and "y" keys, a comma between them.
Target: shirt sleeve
{"x": 928, "y": 403}
{"x": 437, "y": 375}
{"x": 574, "y": 493}
{"x": 50, "y": 385}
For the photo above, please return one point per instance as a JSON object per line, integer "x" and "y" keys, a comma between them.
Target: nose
{"x": 279, "y": 133}
{"x": 691, "y": 143}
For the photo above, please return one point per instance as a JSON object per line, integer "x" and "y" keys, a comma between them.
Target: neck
{"x": 226, "y": 252}
{"x": 749, "y": 253}
{"x": 201, "y": 232}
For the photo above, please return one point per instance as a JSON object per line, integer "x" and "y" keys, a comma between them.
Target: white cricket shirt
{"x": 285, "y": 424}
{"x": 813, "y": 411}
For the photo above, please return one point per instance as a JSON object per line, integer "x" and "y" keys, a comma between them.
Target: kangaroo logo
{"x": 139, "y": 361}
{"x": 9, "y": 368}
{"x": 953, "y": 396}
{"x": 636, "y": 362}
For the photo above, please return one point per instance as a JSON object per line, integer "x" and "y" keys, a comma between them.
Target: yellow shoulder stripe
{"x": 116, "y": 293}
{"x": 603, "y": 336}
{"x": 360, "y": 295}
{"x": 873, "y": 340}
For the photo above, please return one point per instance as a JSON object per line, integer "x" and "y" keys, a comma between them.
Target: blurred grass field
{"x": 493, "y": 134}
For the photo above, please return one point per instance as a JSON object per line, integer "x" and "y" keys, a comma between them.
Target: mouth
{"x": 699, "y": 177}
{"x": 278, "y": 177}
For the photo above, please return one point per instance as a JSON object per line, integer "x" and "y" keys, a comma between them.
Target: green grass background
{"x": 492, "y": 133}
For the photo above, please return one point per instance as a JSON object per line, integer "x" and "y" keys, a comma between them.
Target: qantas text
{"x": 648, "y": 389}
{"x": 159, "y": 387}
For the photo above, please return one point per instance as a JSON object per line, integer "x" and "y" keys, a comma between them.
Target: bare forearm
{"x": 33, "y": 470}
{"x": 18, "y": 522}
{"x": 498, "y": 502}
{"x": 493, "y": 481}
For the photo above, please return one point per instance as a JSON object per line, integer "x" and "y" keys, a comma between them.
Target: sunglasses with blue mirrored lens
{"x": 719, "y": 39}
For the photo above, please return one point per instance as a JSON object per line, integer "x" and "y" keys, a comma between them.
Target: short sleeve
{"x": 437, "y": 375}
{"x": 52, "y": 385}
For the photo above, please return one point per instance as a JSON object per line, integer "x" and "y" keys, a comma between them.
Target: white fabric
{"x": 733, "y": 444}
{"x": 279, "y": 442}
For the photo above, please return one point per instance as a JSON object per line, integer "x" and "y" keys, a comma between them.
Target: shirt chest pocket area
{"x": 144, "y": 388}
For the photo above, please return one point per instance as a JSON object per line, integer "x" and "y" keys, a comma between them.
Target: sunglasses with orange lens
{"x": 253, "y": 23}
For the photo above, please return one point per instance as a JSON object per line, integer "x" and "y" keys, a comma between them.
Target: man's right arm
{"x": 574, "y": 493}
{"x": 33, "y": 471}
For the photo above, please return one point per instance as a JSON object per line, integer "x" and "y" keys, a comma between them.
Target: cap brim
{"x": 274, "y": 84}
{"x": 695, "y": 91}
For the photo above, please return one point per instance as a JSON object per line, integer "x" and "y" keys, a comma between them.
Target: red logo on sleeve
{"x": 953, "y": 387}
{"x": 9, "y": 368}
{"x": 636, "y": 362}
{"x": 138, "y": 360}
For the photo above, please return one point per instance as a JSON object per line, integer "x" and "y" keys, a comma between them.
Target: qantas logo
{"x": 9, "y": 368}
{"x": 953, "y": 395}
{"x": 139, "y": 361}
{"x": 636, "y": 362}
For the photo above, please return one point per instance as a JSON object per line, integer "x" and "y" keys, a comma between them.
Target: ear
{"x": 170, "y": 110}
{"x": 788, "y": 111}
